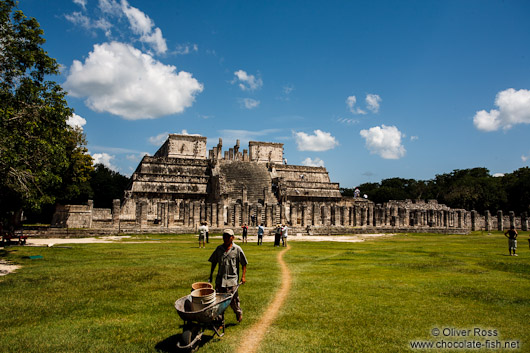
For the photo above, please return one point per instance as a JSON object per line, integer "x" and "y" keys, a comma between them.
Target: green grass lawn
{"x": 374, "y": 296}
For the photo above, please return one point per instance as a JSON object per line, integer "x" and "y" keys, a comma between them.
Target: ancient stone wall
{"x": 178, "y": 187}
{"x": 265, "y": 152}
{"x": 183, "y": 146}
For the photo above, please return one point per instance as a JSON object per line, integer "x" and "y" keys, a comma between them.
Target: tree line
{"x": 470, "y": 189}
{"x": 43, "y": 160}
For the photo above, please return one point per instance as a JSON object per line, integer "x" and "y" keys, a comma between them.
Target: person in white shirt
{"x": 284, "y": 234}
{"x": 203, "y": 233}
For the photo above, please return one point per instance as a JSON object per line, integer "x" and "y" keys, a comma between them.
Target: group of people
{"x": 280, "y": 234}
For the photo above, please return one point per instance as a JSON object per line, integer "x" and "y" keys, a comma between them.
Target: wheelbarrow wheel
{"x": 188, "y": 335}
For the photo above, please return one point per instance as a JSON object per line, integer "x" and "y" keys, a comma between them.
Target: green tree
{"x": 107, "y": 185}
{"x": 471, "y": 189}
{"x": 517, "y": 186}
{"x": 41, "y": 157}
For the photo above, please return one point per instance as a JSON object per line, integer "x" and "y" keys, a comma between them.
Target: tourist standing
{"x": 203, "y": 233}
{"x": 284, "y": 234}
{"x": 261, "y": 231}
{"x": 277, "y": 235}
{"x": 245, "y": 233}
{"x": 511, "y": 234}
{"x": 229, "y": 257}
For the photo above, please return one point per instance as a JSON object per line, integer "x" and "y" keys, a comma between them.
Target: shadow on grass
{"x": 169, "y": 345}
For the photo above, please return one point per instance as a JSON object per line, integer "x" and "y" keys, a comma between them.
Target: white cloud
{"x": 414, "y": 138}
{"x": 513, "y": 108}
{"x": 111, "y": 13}
{"x": 249, "y": 103}
{"x": 317, "y": 162}
{"x": 287, "y": 89}
{"x": 123, "y": 81}
{"x": 230, "y": 136}
{"x": 350, "y": 102}
{"x": 76, "y": 121}
{"x": 498, "y": 175}
{"x": 81, "y": 3}
{"x": 111, "y": 7}
{"x": 286, "y": 93}
{"x": 105, "y": 159}
{"x": 142, "y": 25}
{"x": 136, "y": 157}
{"x": 320, "y": 141}
{"x": 183, "y": 49}
{"x": 384, "y": 141}
{"x": 159, "y": 139}
{"x": 156, "y": 40}
{"x": 77, "y": 18}
{"x": 185, "y": 132}
{"x": 373, "y": 101}
{"x": 247, "y": 82}
{"x": 348, "y": 121}
{"x": 524, "y": 158}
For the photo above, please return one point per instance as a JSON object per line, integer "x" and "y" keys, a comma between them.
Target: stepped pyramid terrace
{"x": 183, "y": 184}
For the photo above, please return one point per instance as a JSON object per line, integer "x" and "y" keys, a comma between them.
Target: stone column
{"x": 387, "y": 215}
{"x": 245, "y": 214}
{"x": 230, "y": 215}
{"x": 303, "y": 216}
{"x": 283, "y": 218}
{"x": 116, "y": 213}
{"x": 473, "y": 220}
{"x": 142, "y": 214}
{"x": 237, "y": 215}
{"x": 379, "y": 213}
{"x": 244, "y": 198}
{"x": 315, "y": 217}
{"x": 460, "y": 219}
{"x": 171, "y": 207}
{"x": 187, "y": 206}
{"x": 202, "y": 216}
{"x": 512, "y": 219}
{"x": 500, "y": 220}
{"x": 334, "y": 211}
{"x": 294, "y": 215}
{"x": 326, "y": 215}
{"x": 196, "y": 215}
{"x": 259, "y": 216}
{"x": 524, "y": 221}
{"x": 487, "y": 220}
{"x": 364, "y": 216}
{"x": 220, "y": 215}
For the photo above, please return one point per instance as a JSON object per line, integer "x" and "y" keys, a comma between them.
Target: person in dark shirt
{"x": 511, "y": 234}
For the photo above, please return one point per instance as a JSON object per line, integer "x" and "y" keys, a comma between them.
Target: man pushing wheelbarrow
{"x": 229, "y": 256}
{"x": 204, "y": 307}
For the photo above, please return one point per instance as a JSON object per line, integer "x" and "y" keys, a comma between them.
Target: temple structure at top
{"x": 184, "y": 183}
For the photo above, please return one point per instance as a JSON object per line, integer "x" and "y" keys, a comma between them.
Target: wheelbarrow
{"x": 196, "y": 322}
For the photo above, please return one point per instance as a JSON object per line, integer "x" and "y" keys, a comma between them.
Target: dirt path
{"x": 254, "y": 335}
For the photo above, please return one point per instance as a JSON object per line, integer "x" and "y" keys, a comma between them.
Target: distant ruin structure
{"x": 183, "y": 184}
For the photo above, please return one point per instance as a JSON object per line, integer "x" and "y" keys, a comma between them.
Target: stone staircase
{"x": 235, "y": 175}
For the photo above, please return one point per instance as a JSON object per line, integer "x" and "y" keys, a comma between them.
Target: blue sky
{"x": 369, "y": 89}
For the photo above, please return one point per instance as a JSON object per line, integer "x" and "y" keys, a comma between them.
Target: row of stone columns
{"x": 191, "y": 213}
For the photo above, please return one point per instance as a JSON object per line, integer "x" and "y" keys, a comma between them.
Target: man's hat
{"x": 229, "y": 232}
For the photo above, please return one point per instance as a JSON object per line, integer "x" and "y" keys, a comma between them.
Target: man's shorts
{"x": 512, "y": 243}
{"x": 201, "y": 237}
